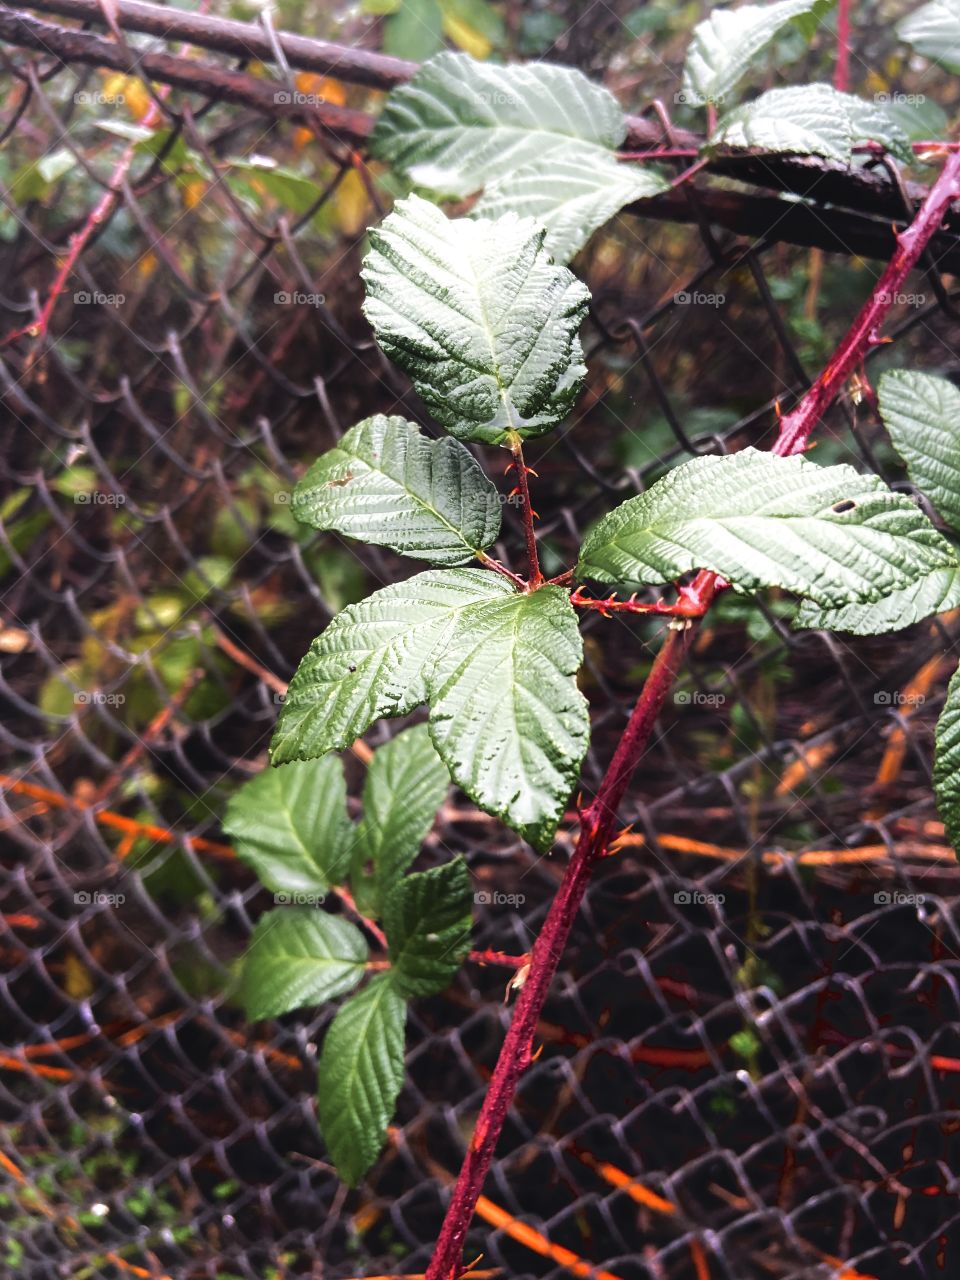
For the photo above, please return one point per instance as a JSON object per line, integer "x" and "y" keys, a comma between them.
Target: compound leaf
{"x": 934, "y": 31}
{"x": 459, "y": 123}
{"x": 300, "y": 956}
{"x": 389, "y": 484}
{"x": 359, "y": 1076}
{"x": 427, "y": 919}
{"x": 479, "y": 317}
{"x": 723, "y": 46}
{"x": 810, "y": 120}
{"x": 571, "y": 194}
{"x": 946, "y": 763}
{"x": 936, "y": 592}
{"x": 826, "y": 533}
{"x": 922, "y": 414}
{"x": 405, "y": 786}
{"x": 372, "y": 658}
{"x": 291, "y": 825}
{"x": 505, "y": 711}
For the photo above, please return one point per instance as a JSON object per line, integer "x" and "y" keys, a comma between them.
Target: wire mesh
{"x": 749, "y": 1062}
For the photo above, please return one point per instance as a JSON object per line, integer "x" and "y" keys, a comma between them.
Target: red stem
{"x": 522, "y": 490}
{"x": 598, "y": 820}
{"x": 841, "y": 72}
{"x": 796, "y": 427}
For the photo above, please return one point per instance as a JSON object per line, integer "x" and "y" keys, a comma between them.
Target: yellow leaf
{"x": 77, "y": 982}
{"x": 352, "y": 203}
{"x": 193, "y": 192}
{"x": 466, "y": 37}
{"x": 147, "y": 265}
{"x": 322, "y": 87}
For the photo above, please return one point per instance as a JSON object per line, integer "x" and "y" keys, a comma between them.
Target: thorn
{"x": 535, "y": 1056}
{"x": 530, "y": 472}
{"x": 536, "y": 514}
{"x": 777, "y": 410}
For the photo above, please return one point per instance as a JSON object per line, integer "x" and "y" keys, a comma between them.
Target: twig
{"x": 598, "y": 820}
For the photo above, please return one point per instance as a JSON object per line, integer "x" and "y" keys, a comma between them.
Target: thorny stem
{"x": 796, "y": 426}
{"x": 598, "y": 819}
{"x": 522, "y": 490}
{"x": 490, "y": 563}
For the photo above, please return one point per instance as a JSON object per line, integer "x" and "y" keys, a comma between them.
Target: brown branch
{"x": 826, "y": 181}
{"x": 341, "y": 123}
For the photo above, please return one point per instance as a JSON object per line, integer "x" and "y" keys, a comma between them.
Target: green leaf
{"x": 723, "y": 46}
{"x": 934, "y": 31}
{"x": 414, "y": 31}
{"x": 372, "y": 659}
{"x": 571, "y": 194}
{"x": 826, "y": 533}
{"x": 479, "y": 317}
{"x": 458, "y": 123}
{"x": 427, "y": 919}
{"x": 810, "y": 120}
{"x": 936, "y": 592}
{"x": 300, "y": 956}
{"x": 291, "y": 825}
{"x": 388, "y": 484}
{"x": 359, "y": 1076}
{"x": 922, "y": 414}
{"x": 505, "y": 711}
{"x": 946, "y": 762}
{"x": 405, "y": 786}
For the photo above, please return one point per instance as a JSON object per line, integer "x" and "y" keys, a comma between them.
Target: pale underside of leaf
{"x": 300, "y": 956}
{"x": 404, "y": 787}
{"x": 505, "y": 711}
{"x": 934, "y": 31}
{"x": 371, "y": 661}
{"x": 571, "y": 194}
{"x": 936, "y": 592}
{"x": 484, "y": 323}
{"x": 292, "y": 826}
{"x": 359, "y": 1076}
{"x": 946, "y": 764}
{"x": 723, "y": 46}
{"x": 826, "y": 533}
{"x": 922, "y": 414}
{"x": 387, "y": 483}
{"x": 459, "y": 123}
{"x": 813, "y": 119}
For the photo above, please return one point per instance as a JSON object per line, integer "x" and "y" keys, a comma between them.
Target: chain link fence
{"x": 749, "y": 1063}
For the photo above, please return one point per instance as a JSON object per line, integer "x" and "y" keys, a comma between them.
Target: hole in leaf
{"x": 338, "y": 484}
{"x": 848, "y": 504}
